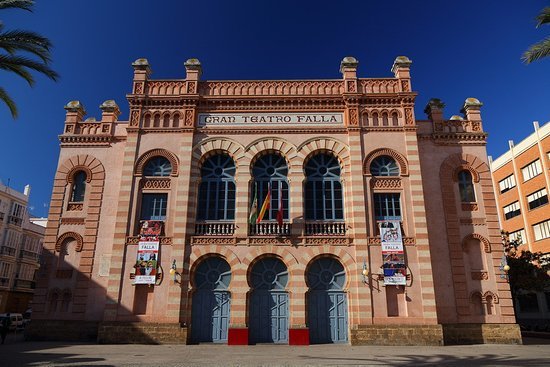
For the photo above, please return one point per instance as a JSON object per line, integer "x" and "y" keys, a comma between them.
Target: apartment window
{"x": 507, "y": 183}
{"x": 537, "y": 199}
{"x": 512, "y": 210}
{"x": 5, "y": 270}
{"x": 542, "y": 230}
{"x": 153, "y": 206}
{"x": 17, "y": 210}
{"x": 517, "y": 235}
{"x": 387, "y": 207}
{"x": 531, "y": 170}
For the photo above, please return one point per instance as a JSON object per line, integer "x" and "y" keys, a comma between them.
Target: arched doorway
{"x": 211, "y": 301}
{"x": 268, "y": 316}
{"x": 327, "y": 302}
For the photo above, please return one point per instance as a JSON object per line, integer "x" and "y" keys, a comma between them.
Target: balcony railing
{"x": 214, "y": 229}
{"x": 23, "y": 283}
{"x": 12, "y": 219}
{"x": 9, "y": 251}
{"x": 270, "y": 229}
{"x": 322, "y": 228}
{"x": 28, "y": 255}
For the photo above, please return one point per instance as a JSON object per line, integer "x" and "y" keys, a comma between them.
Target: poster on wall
{"x": 393, "y": 255}
{"x": 148, "y": 252}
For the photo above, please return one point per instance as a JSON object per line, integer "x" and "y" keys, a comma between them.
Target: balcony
{"x": 7, "y": 251}
{"x": 12, "y": 219}
{"x": 269, "y": 229}
{"x": 22, "y": 283}
{"x": 214, "y": 229}
{"x": 28, "y": 255}
{"x": 324, "y": 228}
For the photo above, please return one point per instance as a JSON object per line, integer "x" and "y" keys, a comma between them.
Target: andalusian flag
{"x": 265, "y": 205}
{"x": 254, "y": 208}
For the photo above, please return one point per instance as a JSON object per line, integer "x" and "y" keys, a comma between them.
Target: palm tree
{"x": 15, "y": 41}
{"x": 542, "y": 48}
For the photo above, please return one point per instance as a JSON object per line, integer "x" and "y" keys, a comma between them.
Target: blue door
{"x": 268, "y": 312}
{"x": 327, "y": 302}
{"x": 211, "y": 301}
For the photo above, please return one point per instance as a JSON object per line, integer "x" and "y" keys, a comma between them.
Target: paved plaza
{"x": 535, "y": 352}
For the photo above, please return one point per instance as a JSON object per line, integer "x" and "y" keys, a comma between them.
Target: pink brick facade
{"x": 452, "y": 248}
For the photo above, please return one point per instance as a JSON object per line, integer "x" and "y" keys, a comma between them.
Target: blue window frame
{"x": 323, "y": 189}
{"x": 466, "y": 187}
{"x": 217, "y": 189}
{"x": 153, "y": 206}
{"x": 271, "y": 170}
{"x": 387, "y": 206}
{"x": 79, "y": 187}
{"x": 158, "y": 166}
{"x": 384, "y": 166}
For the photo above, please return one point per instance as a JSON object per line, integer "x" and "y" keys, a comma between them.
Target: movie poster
{"x": 148, "y": 252}
{"x": 395, "y": 270}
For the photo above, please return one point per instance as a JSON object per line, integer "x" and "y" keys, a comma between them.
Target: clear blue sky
{"x": 459, "y": 49}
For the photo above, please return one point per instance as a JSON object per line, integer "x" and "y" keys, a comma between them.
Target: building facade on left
{"x": 20, "y": 249}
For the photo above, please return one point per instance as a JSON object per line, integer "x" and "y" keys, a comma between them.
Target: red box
{"x": 237, "y": 336}
{"x": 298, "y": 336}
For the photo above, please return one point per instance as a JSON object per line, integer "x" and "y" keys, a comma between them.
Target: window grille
{"x": 384, "y": 166}
{"x": 217, "y": 189}
{"x": 158, "y": 166}
{"x": 323, "y": 190}
{"x": 271, "y": 170}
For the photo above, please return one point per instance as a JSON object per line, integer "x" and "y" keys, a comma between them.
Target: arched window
{"x": 176, "y": 122}
{"x": 394, "y": 119}
{"x": 158, "y": 166}
{"x": 323, "y": 191}
{"x": 375, "y": 119}
{"x": 385, "y": 121}
{"x": 147, "y": 121}
{"x": 384, "y": 166}
{"x": 79, "y": 187}
{"x": 166, "y": 121}
{"x": 270, "y": 171}
{"x": 217, "y": 189}
{"x": 466, "y": 187}
{"x": 156, "y": 121}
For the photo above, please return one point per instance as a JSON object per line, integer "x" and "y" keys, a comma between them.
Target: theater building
{"x": 340, "y": 161}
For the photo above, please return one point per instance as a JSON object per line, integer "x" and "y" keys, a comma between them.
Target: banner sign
{"x": 148, "y": 252}
{"x": 271, "y": 118}
{"x": 395, "y": 271}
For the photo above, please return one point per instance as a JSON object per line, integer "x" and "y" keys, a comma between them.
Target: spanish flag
{"x": 254, "y": 208}
{"x": 265, "y": 205}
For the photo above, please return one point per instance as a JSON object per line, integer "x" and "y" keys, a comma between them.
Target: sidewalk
{"x": 536, "y": 353}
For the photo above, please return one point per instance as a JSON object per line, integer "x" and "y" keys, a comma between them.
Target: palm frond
{"x": 16, "y": 40}
{"x": 4, "y": 97}
{"x": 20, "y": 4}
{"x": 537, "y": 51}
{"x": 17, "y": 64}
{"x": 543, "y": 17}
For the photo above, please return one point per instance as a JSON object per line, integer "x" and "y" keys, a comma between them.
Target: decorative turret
{"x": 110, "y": 111}
{"x": 402, "y": 70}
{"x": 142, "y": 71}
{"x": 75, "y": 114}
{"x": 434, "y": 110}
{"x": 193, "y": 69}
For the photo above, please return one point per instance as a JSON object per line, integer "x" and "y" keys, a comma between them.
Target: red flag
{"x": 280, "y": 208}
